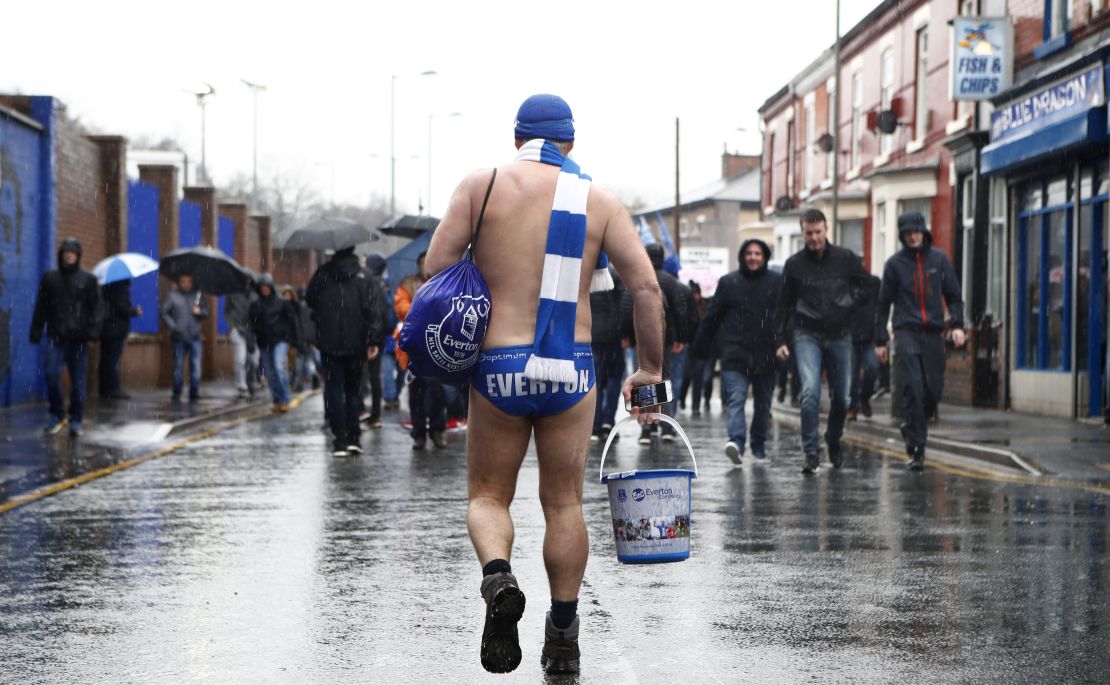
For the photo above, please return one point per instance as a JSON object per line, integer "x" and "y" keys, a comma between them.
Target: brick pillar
{"x": 205, "y": 198}
{"x": 265, "y": 245}
{"x": 164, "y": 178}
{"x": 237, "y": 212}
{"x": 113, "y": 177}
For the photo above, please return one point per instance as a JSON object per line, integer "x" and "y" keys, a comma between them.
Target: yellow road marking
{"x": 127, "y": 463}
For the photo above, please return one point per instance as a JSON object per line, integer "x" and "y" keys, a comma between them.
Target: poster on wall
{"x": 982, "y": 57}
{"x": 704, "y": 266}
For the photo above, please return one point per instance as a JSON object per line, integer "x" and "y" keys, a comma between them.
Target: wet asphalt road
{"x": 254, "y": 557}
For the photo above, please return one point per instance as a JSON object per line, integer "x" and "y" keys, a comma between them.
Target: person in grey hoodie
{"x": 244, "y": 348}
{"x": 182, "y": 311}
{"x": 919, "y": 282}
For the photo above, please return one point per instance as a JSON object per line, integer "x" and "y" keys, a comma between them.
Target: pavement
{"x": 252, "y": 556}
{"x": 114, "y": 431}
{"x": 1040, "y": 446}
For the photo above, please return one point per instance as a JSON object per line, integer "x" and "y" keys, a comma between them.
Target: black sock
{"x": 496, "y": 566}
{"x": 563, "y": 613}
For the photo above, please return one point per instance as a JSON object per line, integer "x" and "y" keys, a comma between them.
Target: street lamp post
{"x": 255, "y": 89}
{"x": 202, "y": 92}
{"x": 393, "y": 139}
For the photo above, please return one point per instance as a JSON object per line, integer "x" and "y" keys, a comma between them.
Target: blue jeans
{"x": 811, "y": 352}
{"x": 273, "y": 365}
{"x": 609, "y": 373}
{"x": 678, "y": 373}
{"x": 865, "y": 372}
{"x": 180, "y": 349}
{"x": 389, "y": 377}
{"x": 75, "y": 357}
{"x": 734, "y": 389}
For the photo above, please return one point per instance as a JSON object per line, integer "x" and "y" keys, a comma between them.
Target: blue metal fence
{"x": 142, "y": 237}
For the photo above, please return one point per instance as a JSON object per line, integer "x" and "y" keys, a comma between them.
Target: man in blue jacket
{"x": 919, "y": 281}
{"x": 740, "y": 317}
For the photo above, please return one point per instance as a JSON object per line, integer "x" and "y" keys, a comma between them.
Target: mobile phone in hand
{"x": 650, "y": 395}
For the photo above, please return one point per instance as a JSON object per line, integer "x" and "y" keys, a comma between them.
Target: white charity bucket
{"x": 650, "y": 508}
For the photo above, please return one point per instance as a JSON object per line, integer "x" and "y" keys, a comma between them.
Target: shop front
{"x": 1047, "y": 160}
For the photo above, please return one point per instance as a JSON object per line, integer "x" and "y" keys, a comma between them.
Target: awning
{"x": 1055, "y": 139}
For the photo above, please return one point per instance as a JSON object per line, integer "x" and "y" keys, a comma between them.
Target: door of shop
{"x": 20, "y": 264}
{"x": 1091, "y": 286}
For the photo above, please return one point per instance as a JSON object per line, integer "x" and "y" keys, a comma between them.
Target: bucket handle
{"x": 662, "y": 417}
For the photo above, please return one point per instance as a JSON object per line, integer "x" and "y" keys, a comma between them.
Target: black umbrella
{"x": 409, "y": 225}
{"x": 327, "y": 234}
{"x": 213, "y": 271}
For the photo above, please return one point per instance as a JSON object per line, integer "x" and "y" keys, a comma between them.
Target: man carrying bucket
{"x": 535, "y": 372}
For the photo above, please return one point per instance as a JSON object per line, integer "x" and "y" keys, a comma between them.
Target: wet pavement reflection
{"x": 253, "y": 556}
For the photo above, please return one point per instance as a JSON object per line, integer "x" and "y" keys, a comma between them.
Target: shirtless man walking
{"x": 514, "y": 254}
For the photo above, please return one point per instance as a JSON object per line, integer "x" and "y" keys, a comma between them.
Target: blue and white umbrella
{"x": 122, "y": 267}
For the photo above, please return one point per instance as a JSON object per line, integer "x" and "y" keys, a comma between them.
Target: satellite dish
{"x": 887, "y": 121}
{"x": 784, "y": 204}
{"x": 825, "y": 142}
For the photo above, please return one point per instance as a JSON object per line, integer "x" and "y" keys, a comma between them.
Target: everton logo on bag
{"x": 445, "y": 327}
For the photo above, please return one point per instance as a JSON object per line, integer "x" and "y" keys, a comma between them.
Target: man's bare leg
{"x": 495, "y": 447}
{"x": 562, "y": 443}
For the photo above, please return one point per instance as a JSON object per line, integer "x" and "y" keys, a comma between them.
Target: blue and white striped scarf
{"x": 552, "y": 356}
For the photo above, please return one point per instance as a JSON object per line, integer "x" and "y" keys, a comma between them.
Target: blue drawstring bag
{"x": 447, "y": 322}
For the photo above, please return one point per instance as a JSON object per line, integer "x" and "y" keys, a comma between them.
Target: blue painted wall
{"x": 189, "y": 217}
{"x": 142, "y": 237}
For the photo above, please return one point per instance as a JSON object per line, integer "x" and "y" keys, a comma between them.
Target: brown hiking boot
{"x": 504, "y": 608}
{"x": 560, "y": 648}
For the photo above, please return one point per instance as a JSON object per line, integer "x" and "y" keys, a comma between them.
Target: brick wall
{"x": 82, "y": 202}
{"x": 294, "y": 267}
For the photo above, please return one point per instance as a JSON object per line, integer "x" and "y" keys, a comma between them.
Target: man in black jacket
{"x": 237, "y": 308}
{"x": 605, "y": 308}
{"x": 349, "y": 328}
{"x": 677, "y": 334}
{"x": 919, "y": 281}
{"x": 822, "y": 285}
{"x": 67, "y": 306}
{"x": 375, "y": 267}
{"x": 113, "y": 335}
{"x": 276, "y": 325}
{"x": 739, "y": 319}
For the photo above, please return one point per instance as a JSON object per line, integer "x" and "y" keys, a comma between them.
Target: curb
{"x": 878, "y": 437}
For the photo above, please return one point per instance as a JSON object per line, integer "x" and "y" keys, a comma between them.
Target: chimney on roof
{"x": 734, "y": 164}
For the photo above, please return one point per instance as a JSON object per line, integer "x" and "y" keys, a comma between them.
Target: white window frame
{"x": 811, "y": 143}
{"x": 886, "y": 96}
{"x": 857, "y": 119}
{"x": 920, "y": 94}
{"x": 967, "y": 215}
{"x": 878, "y": 241}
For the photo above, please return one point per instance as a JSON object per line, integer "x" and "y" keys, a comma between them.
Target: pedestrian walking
{"x": 676, "y": 334}
{"x": 182, "y": 311}
{"x": 540, "y": 324}
{"x": 118, "y": 312}
{"x": 694, "y": 378}
{"x": 374, "y": 268}
{"x": 304, "y": 362}
{"x": 427, "y": 398}
{"x": 919, "y": 282}
{"x": 67, "y": 311}
{"x": 822, "y": 286}
{"x": 348, "y": 329}
{"x": 243, "y": 345}
{"x": 605, "y": 309}
{"x": 740, "y": 321}
{"x": 276, "y": 325}
{"x": 865, "y": 365}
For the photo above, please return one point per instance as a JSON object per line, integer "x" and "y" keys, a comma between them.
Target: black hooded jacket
{"x": 68, "y": 302}
{"x": 820, "y": 292}
{"x": 118, "y": 310}
{"x": 918, "y": 282}
{"x": 273, "y": 318}
{"x": 740, "y": 318}
{"x": 605, "y": 312}
{"x": 676, "y": 300}
{"x": 345, "y": 304}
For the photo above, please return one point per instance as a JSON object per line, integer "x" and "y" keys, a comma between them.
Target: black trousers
{"x": 342, "y": 400}
{"x": 919, "y": 369}
{"x": 375, "y": 373}
{"x": 427, "y": 406}
{"x": 111, "y": 352}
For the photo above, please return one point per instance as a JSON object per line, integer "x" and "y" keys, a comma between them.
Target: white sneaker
{"x": 732, "y": 451}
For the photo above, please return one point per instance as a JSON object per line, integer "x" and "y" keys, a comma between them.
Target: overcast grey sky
{"x": 626, "y": 68}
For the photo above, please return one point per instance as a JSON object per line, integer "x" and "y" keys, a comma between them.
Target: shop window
{"x": 1044, "y": 266}
{"x": 1090, "y": 286}
{"x": 967, "y": 214}
{"x": 851, "y": 235}
{"x": 996, "y": 278}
